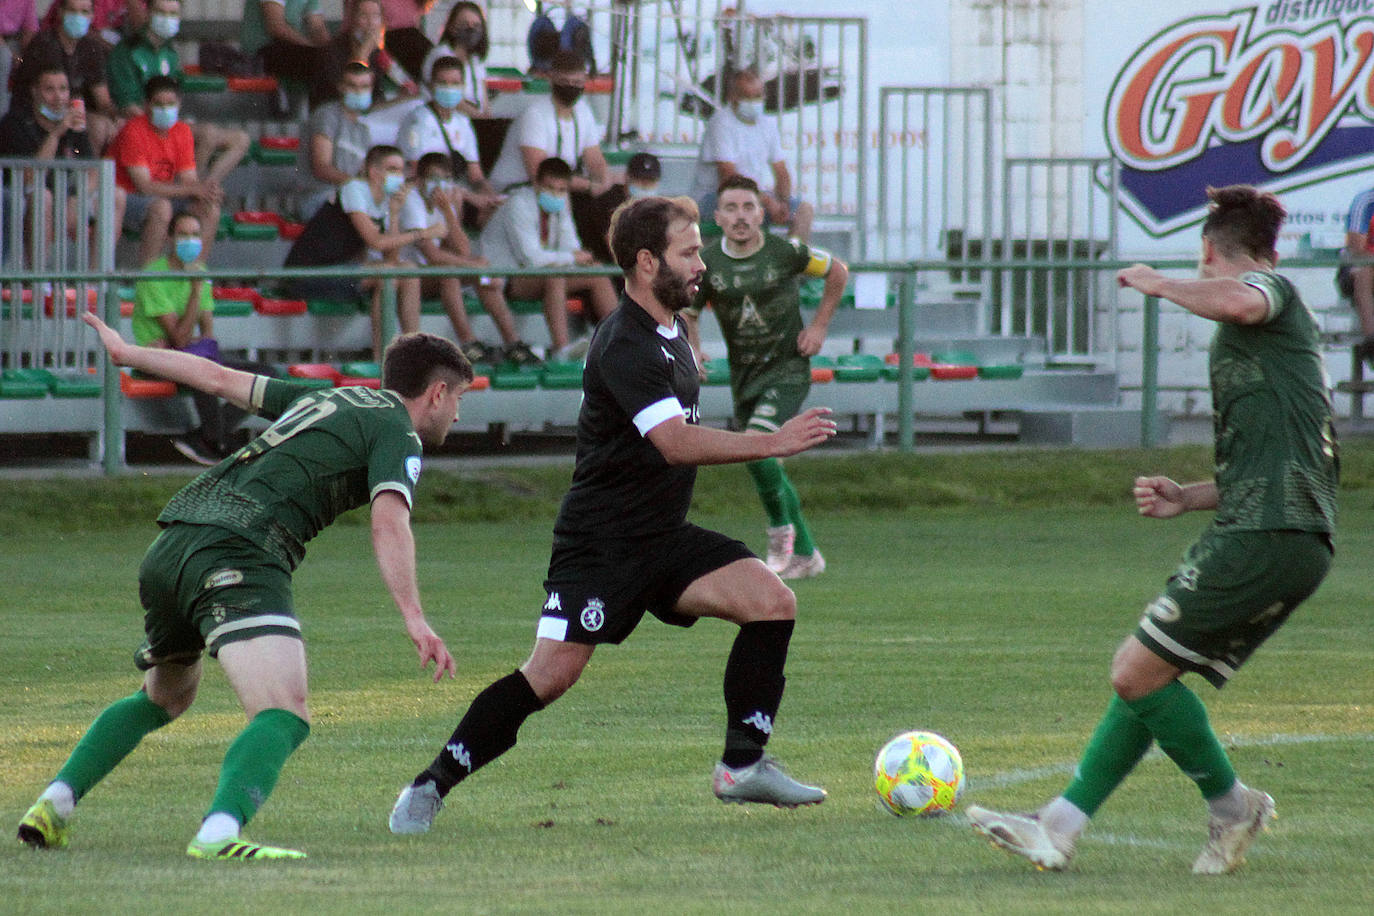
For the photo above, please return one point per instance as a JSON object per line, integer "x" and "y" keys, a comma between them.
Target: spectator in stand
{"x": 534, "y": 228}
{"x": 179, "y": 315}
{"x": 155, "y": 163}
{"x": 18, "y": 25}
{"x": 439, "y": 126}
{"x": 1356, "y": 281}
{"x": 465, "y": 37}
{"x": 338, "y": 136}
{"x": 110, "y": 19}
{"x": 562, "y": 124}
{"x": 405, "y": 41}
{"x": 739, "y": 140}
{"x": 148, "y": 53}
{"x": 287, "y": 36}
{"x": 49, "y": 128}
{"x": 361, "y": 226}
{"x": 363, "y": 39}
{"x": 81, "y": 53}
{"x": 436, "y": 200}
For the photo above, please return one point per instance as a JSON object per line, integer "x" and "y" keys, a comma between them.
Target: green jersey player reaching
{"x": 1268, "y": 548}
{"x": 218, "y": 576}
{"x": 752, "y": 283}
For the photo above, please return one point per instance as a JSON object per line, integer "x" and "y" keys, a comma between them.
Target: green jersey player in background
{"x": 752, "y": 284}
{"x": 218, "y": 576}
{"x": 1268, "y": 548}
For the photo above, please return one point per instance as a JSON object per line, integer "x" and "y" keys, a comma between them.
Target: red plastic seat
{"x": 142, "y": 388}
{"x": 257, "y": 217}
{"x": 359, "y": 381}
{"x": 480, "y": 383}
{"x": 946, "y": 373}
{"x": 280, "y": 306}
{"x": 315, "y": 370}
{"x": 504, "y": 84}
{"x": 279, "y": 142}
{"x": 289, "y": 230}
{"x": 252, "y": 84}
{"x": 821, "y": 375}
{"x": 92, "y": 297}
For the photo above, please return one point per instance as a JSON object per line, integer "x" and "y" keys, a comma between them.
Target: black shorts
{"x": 598, "y": 589}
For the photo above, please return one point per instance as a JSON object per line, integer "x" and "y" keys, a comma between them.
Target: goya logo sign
{"x": 1271, "y": 99}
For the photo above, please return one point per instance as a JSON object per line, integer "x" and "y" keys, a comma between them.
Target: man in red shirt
{"x": 155, "y": 163}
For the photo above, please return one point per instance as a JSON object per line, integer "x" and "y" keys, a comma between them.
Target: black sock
{"x": 486, "y": 732}
{"x": 753, "y": 688}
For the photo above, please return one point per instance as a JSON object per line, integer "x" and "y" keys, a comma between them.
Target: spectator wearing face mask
{"x": 465, "y": 38}
{"x": 338, "y": 136}
{"x": 111, "y": 20}
{"x": 148, "y": 53}
{"x": 534, "y": 228}
{"x": 72, "y": 45}
{"x": 740, "y": 140}
{"x": 439, "y": 126}
{"x": 155, "y": 164}
{"x": 363, "y": 38}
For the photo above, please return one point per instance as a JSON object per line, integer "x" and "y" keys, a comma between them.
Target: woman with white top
{"x": 465, "y": 37}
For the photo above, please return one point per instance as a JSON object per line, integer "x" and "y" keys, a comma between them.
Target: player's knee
{"x": 777, "y": 602}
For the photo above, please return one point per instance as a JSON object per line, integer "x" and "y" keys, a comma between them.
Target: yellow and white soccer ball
{"x": 918, "y": 773}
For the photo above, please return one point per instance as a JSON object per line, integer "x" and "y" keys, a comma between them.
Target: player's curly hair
{"x": 411, "y": 362}
{"x": 1243, "y": 220}
{"x": 644, "y": 224}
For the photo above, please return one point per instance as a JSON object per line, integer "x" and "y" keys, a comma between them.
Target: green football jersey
{"x": 1276, "y": 456}
{"x": 756, "y": 299}
{"x": 328, "y": 451}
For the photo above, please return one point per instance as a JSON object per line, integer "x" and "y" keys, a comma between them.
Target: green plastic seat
{"x": 718, "y": 371}
{"x": 74, "y": 385}
{"x": 252, "y": 232}
{"x": 559, "y": 374}
{"x": 526, "y": 306}
{"x": 918, "y": 373}
{"x": 21, "y": 383}
{"x": 432, "y": 307}
{"x": 332, "y": 306}
{"x": 1010, "y": 371}
{"x": 362, "y": 369}
{"x": 203, "y": 82}
{"x": 535, "y": 85}
{"x": 512, "y": 378}
{"x": 232, "y": 308}
{"x": 858, "y": 367}
{"x": 266, "y": 156}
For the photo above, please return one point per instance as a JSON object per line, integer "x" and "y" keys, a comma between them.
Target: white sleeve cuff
{"x": 656, "y": 413}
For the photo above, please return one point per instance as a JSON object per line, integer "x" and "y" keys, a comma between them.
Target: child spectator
{"x": 534, "y": 228}
{"x": 437, "y": 201}
{"x": 361, "y": 226}
{"x": 148, "y": 53}
{"x": 155, "y": 163}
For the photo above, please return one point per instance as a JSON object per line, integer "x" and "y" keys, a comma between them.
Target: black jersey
{"x": 638, "y": 374}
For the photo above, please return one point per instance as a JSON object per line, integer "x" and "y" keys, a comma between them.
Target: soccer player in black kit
{"x": 622, "y": 544}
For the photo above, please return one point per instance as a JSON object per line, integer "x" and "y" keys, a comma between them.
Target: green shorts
{"x": 1232, "y": 591}
{"x": 774, "y": 402}
{"x": 205, "y": 586}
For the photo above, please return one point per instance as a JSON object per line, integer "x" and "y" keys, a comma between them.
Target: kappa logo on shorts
{"x": 554, "y": 603}
{"x": 224, "y": 578}
{"x": 593, "y": 615}
{"x": 1164, "y": 609}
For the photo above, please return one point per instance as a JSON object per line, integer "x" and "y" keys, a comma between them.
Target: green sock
{"x": 803, "y": 545}
{"x": 254, "y": 762}
{"x": 111, "y": 737}
{"x": 1178, "y": 721}
{"x": 768, "y": 478}
{"x": 1117, "y": 744}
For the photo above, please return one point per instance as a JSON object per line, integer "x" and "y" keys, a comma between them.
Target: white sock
{"x": 1063, "y": 817}
{"x": 62, "y": 798}
{"x": 218, "y": 827}
{"x": 1231, "y": 806}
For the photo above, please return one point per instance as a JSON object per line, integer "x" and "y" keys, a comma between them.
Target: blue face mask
{"x": 188, "y": 250}
{"x": 436, "y": 184}
{"x": 51, "y": 114}
{"x": 637, "y": 191}
{"x": 550, "y": 202}
{"x": 749, "y": 110}
{"x": 163, "y": 117}
{"x": 448, "y": 96}
{"x": 163, "y": 26}
{"x": 357, "y": 101}
{"x": 76, "y": 25}
{"x": 392, "y": 182}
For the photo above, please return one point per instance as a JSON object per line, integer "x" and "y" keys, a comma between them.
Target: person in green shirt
{"x": 179, "y": 315}
{"x": 148, "y": 53}
{"x": 1268, "y": 548}
{"x": 752, "y": 284}
{"x": 218, "y": 577}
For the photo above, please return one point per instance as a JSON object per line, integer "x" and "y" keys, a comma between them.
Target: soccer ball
{"x": 918, "y": 773}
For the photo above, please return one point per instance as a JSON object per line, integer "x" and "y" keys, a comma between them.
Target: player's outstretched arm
{"x": 683, "y": 443}
{"x": 394, "y": 545}
{"x": 175, "y": 366}
{"x": 1223, "y": 299}
{"x": 1160, "y": 497}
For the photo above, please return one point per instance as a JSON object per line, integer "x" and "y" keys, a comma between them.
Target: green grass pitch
{"x": 978, "y": 597}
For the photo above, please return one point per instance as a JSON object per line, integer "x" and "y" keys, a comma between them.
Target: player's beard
{"x": 672, "y": 291}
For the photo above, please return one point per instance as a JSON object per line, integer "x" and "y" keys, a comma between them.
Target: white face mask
{"x": 749, "y": 110}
